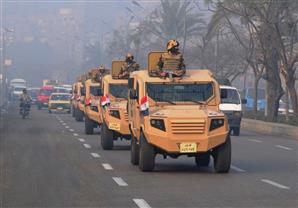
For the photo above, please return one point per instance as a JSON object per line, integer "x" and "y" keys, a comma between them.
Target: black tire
{"x": 89, "y": 125}
{"x": 50, "y": 111}
{"x": 78, "y": 115}
{"x": 107, "y": 140}
{"x": 236, "y": 131}
{"x": 73, "y": 112}
{"x": 146, "y": 156}
{"x": 134, "y": 151}
{"x": 38, "y": 106}
{"x": 203, "y": 159}
{"x": 222, "y": 157}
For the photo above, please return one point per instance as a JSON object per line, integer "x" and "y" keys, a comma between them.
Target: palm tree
{"x": 174, "y": 19}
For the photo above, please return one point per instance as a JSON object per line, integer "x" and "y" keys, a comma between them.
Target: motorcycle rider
{"x": 129, "y": 66}
{"x": 25, "y": 99}
{"x": 171, "y": 60}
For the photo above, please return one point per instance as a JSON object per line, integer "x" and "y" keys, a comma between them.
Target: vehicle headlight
{"x": 216, "y": 123}
{"x": 158, "y": 123}
{"x": 115, "y": 113}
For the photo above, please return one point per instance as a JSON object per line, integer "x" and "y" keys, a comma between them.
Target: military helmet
{"x": 102, "y": 69}
{"x": 129, "y": 56}
{"x": 172, "y": 44}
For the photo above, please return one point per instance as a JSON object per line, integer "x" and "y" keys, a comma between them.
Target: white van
{"x": 231, "y": 105}
{"x": 17, "y": 91}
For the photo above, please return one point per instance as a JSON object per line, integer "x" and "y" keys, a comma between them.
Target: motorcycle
{"x": 25, "y": 109}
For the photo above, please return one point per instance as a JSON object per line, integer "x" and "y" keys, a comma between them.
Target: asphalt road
{"x": 48, "y": 161}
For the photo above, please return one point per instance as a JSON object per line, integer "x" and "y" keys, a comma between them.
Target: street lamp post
{"x": 4, "y": 63}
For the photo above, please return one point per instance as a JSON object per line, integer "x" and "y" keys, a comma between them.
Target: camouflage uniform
{"x": 127, "y": 68}
{"x": 172, "y": 62}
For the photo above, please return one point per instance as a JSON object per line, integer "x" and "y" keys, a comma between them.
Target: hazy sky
{"x": 37, "y": 28}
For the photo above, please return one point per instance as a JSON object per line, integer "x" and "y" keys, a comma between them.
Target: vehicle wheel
{"x": 50, "y": 111}
{"x": 89, "y": 124}
{"x": 236, "y": 131}
{"x": 79, "y": 115}
{"x": 222, "y": 157}
{"x": 203, "y": 159}
{"x": 107, "y": 140}
{"x": 146, "y": 155}
{"x": 38, "y": 106}
{"x": 134, "y": 151}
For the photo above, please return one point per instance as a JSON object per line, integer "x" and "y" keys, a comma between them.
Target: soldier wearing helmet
{"x": 102, "y": 72}
{"x": 172, "y": 60}
{"x": 129, "y": 66}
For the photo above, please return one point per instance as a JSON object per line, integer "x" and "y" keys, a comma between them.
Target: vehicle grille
{"x": 188, "y": 126}
{"x": 126, "y": 116}
{"x": 60, "y": 105}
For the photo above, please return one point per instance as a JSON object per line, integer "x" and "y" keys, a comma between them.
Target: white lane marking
{"x": 141, "y": 203}
{"x": 67, "y": 127}
{"x": 75, "y": 134}
{"x": 120, "y": 181}
{"x": 107, "y": 166}
{"x": 95, "y": 155}
{"x": 275, "y": 184}
{"x": 233, "y": 167}
{"x": 255, "y": 140}
{"x": 71, "y": 130}
{"x": 64, "y": 124}
{"x": 87, "y": 146}
{"x": 81, "y": 140}
{"x": 283, "y": 147}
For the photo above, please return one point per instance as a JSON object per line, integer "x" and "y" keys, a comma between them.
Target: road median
{"x": 275, "y": 129}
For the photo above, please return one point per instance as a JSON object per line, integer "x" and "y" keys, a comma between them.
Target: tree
{"x": 265, "y": 18}
{"x": 174, "y": 19}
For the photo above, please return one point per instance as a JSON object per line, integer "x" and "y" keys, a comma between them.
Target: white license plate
{"x": 188, "y": 147}
{"x": 60, "y": 108}
{"x": 114, "y": 126}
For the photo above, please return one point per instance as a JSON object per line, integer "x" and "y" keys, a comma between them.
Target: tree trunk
{"x": 255, "y": 96}
{"x": 273, "y": 84}
{"x": 293, "y": 95}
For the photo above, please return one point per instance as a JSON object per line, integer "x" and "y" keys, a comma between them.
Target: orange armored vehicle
{"x": 92, "y": 99}
{"x": 175, "y": 117}
{"x": 78, "y": 98}
{"x": 114, "y": 104}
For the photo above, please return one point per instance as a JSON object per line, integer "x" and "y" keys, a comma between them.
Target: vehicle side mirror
{"x": 131, "y": 83}
{"x": 132, "y": 94}
{"x": 83, "y": 91}
{"x": 244, "y": 101}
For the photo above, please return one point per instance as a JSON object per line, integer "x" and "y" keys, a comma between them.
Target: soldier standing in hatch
{"x": 102, "y": 72}
{"x": 172, "y": 60}
{"x": 129, "y": 66}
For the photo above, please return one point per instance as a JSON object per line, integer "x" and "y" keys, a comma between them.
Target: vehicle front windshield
{"x": 229, "y": 96}
{"x": 18, "y": 89}
{"x": 61, "y": 90}
{"x": 95, "y": 90}
{"x": 118, "y": 90}
{"x": 180, "y": 92}
{"x": 45, "y": 92}
{"x": 60, "y": 97}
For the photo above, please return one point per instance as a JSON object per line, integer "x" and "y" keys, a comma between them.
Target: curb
{"x": 275, "y": 129}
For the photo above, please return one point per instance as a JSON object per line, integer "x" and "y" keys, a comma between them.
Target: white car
{"x": 231, "y": 105}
